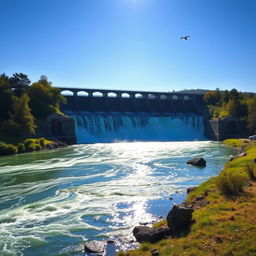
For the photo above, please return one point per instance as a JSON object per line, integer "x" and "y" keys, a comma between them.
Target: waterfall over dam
{"x": 114, "y": 127}
{"x": 114, "y": 115}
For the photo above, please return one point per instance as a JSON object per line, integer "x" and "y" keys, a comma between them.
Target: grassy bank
{"x": 224, "y": 222}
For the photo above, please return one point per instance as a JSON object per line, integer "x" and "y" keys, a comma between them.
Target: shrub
{"x": 7, "y": 149}
{"x": 42, "y": 142}
{"x": 37, "y": 147}
{"x": 33, "y": 147}
{"x": 27, "y": 142}
{"x": 250, "y": 169}
{"x": 230, "y": 184}
{"x": 21, "y": 148}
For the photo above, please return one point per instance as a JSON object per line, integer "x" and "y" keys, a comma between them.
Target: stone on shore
{"x": 97, "y": 247}
{"x": 197, "y": 162}
{"x": 155, "y": 252}
{"x": 239, "y": 155}
{"x": 152, "y": 235}
{"x": 179, "y": 218}
{"x": 191, "y": 189}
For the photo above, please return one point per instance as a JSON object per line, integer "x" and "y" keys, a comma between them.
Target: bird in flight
{"x": 185, "y": 37}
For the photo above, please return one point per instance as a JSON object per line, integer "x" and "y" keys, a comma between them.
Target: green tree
{"x": 44, "y": 80}
{"x": 6, "y": 95}
{"x": 251, "y": 118}
{"x": 232, "y": 108}
{"x": 20, "y": 83}
{"x": 234, "y": 95}
{"x": 4, "y": 82}
{"x": 44, "y": 99}
{"x": 225, "y": 96}
{"x": 21, "y": 121}
{"x": 212, "y": 98}
{"x": 23, "y": 116}
{"x": 236, "y": 109}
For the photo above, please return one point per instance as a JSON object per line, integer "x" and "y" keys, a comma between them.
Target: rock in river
{"x": 197, "y": 162}
{"x": 95, "y": 247}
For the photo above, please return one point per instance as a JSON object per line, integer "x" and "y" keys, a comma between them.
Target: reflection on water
{"x": 52, "y": 201}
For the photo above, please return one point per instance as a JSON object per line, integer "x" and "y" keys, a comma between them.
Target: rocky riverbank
{"x": 224, "y": 211}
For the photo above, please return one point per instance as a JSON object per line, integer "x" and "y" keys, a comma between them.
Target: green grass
{"x": 226, "y": 226}
{"x": 234, "y": 142}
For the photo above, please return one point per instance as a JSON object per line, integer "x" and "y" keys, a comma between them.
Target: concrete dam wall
{"x": 94, "y": 100}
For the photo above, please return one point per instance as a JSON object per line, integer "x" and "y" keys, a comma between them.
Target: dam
{"x": 102, "y": 115}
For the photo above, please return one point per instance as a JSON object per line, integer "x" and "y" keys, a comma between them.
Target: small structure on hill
{"x": 226, "y": 128}
{"x": 59, "y": 127}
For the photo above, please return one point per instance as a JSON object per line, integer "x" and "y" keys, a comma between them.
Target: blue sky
{"x": 131, "y": 44}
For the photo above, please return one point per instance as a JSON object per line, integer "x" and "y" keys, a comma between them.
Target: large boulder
{"x": 197, "y": 162}
{"x": 179, "y": 218}
{"x": 152, "y": 235}
{"x": 97, "y": 247}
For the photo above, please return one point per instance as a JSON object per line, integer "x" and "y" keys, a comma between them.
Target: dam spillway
{"x": 113, "y": 127}
{"x": 111, "y": 115}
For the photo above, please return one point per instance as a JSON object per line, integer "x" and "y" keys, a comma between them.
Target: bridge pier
{"x": 76, "y": 102}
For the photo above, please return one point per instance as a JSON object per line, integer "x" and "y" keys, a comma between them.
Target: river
{"x": 53, "y": 201}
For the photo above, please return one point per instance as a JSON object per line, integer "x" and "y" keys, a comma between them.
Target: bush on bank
{"x": 230, "y": 184}
{"x": 251, "y": 171}
{"x": 7, "y": 149}
{"x": 21, "y": 148}
{"x": 29, "y": 145}
{"x": 33, "y": 147}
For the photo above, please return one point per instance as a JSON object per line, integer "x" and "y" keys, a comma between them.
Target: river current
{"x": 53, "y": 201}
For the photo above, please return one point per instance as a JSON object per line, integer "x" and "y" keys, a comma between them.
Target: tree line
{"x": 23, "y": 102}
{"x": 232, "y": 103}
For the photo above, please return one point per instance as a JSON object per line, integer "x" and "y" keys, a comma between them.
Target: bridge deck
{"x": 103, "y": 100}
